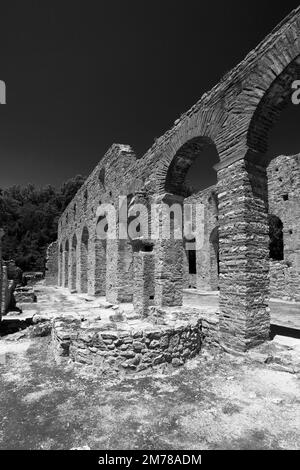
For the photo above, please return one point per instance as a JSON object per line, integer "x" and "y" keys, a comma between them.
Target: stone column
{"x": 119, "y": 271}
{"x": 143, "y": 290}
{"x": 168, "y": 281}
{"x": 100, "y": 267}
{"x": 244, "y": 266}
{"x": 52, "y": 263}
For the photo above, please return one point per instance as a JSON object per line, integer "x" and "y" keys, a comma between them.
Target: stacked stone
{"x": 244, "y": 256}
{"x": 143, "y": 292}
{"x": 51, "y": 275}
{"x": 284, "y": 203}
{"x": 127, "y": 351}
{"x": 63, "y": 331}
{"x": 236, "y": 116}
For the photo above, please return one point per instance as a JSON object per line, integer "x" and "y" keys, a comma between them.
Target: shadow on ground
{"x": 213, "y": 402}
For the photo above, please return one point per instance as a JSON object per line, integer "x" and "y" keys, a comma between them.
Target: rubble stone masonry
{"x": 235, "y": 117}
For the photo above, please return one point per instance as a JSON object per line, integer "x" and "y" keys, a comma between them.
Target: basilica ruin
{"x": 238, "y": 266}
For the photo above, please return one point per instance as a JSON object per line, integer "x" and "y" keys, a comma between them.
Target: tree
{"x": 29, "y": 217}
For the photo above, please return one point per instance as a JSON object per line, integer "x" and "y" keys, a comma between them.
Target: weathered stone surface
{"x": 236, "y": 117}
{"x": 83, "y": 345}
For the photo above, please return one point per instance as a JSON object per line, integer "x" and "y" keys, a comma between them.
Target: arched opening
{"x": 189, "y": 177}
{"x": 271, "y": 109}
{"x": 74, "y": 264}
{"x": 84, "y": 267}
{"x": 245, "y": 276}
{"x": 275, "y": 127}
{"x": 192, "y": 168}
{"x": 66, "y": 264}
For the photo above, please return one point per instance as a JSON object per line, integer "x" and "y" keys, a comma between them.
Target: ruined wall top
{"x": 227, "y": 116}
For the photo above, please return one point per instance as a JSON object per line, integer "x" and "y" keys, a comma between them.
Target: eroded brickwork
{"x": 236, "y": 117}
{"x": 51, "y": 275}
{"x": 284, "y": 202}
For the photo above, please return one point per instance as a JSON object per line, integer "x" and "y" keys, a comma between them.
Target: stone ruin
{"x": 253, "y": 190}
{"x": 12, "y": 286}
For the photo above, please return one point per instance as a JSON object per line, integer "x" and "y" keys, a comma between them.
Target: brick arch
{"x": 268, "y": 110}
{"x": 182, "y": 162}
{"x": 84, "y": 256}
{"x": 265, "y": 83}
{"x": 74, "y": 263}
{"x": 191, "y": 138}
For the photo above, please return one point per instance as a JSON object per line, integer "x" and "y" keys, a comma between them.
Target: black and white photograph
{"x": 149, "y": 231}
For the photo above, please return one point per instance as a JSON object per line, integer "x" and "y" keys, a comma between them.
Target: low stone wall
{"x": 132, "y": 349}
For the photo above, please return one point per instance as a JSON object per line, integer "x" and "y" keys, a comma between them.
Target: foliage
{"x": 29, "y": 217}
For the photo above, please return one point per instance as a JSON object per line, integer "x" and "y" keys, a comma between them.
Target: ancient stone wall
{"x": 206, "y": 277}
{"x": 235, "y": 117}
{"x": 135, "y": 350}
{"x": 51, "y": 275}
{"x": 284, "y": 203}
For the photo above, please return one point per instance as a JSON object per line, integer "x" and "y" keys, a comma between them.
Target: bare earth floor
{"x": 214, "y": 402}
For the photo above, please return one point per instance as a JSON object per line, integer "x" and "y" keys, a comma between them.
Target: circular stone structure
{"x": 131, "y": 345}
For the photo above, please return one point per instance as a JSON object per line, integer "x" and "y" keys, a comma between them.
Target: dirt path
{"x": 211, "y": 403}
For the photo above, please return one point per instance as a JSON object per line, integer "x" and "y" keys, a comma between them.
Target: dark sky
{"x": 82, "y": 75}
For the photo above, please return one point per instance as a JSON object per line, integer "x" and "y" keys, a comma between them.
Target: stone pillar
{"x": 169, "y": 281}
{"x": 143, "y": 290}
{"x": 100, "y": 267}
{"x": 244, "y": 267}
{"x": 65, "y": 272}
{"x": 119, "y": 271}
{"x": 51, "y": 275}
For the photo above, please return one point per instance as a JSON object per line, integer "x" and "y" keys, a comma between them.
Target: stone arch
{"x": 194, "y": 136}
{"x": 74, "y": 264}
{"x": 265, "y": 80}
{"x": 84, "y": 256}
{"x": 268, "y": 110}
{"x": 268, "y": 86}
{"x": 66, "y": 264}
{"x": 182, "y": 161}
